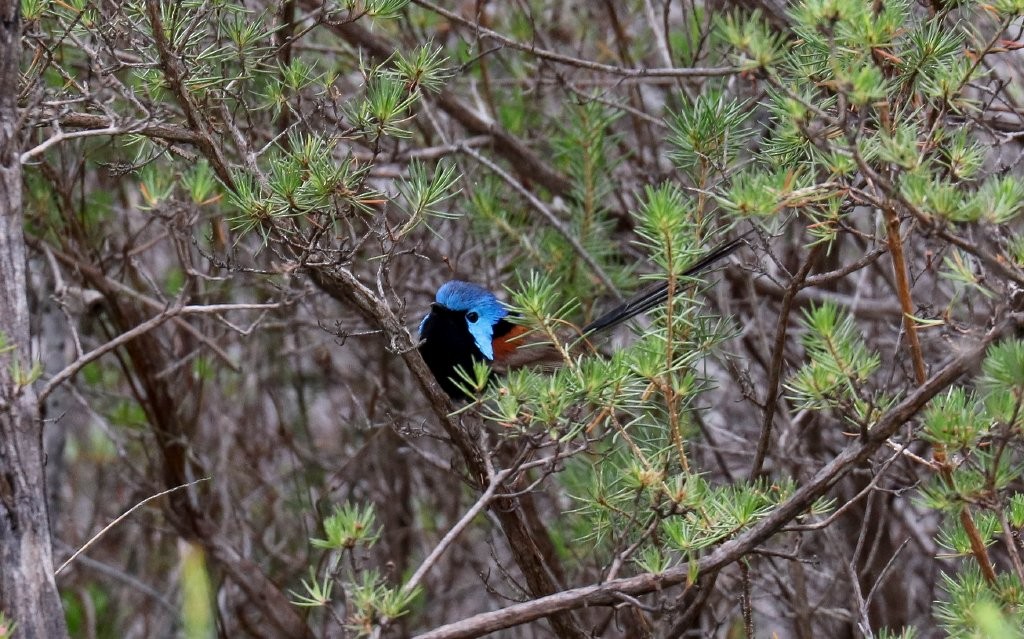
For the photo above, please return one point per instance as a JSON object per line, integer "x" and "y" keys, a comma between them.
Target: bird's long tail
{"x": 654, "y": 295}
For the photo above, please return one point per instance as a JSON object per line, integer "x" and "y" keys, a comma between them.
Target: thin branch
{"x": 482, "y": 502}
{"x": 98, "y": 125}
{"x": 824, "y": 278}
{"x": 161, "y": 130}
{"x": 899, "y": 267}
{"x": 1011, "y": 544}
{"x": 849, "y": 503}
{"x": 61, "y": 136}
{"x": 882, "y": 576}
{"x": 120, "y": 575}
{"x": 778, "y": 358}
{"x": 544, "y": 54}
{"x": 106, "y": 528}
{"x": 71, "y": 369}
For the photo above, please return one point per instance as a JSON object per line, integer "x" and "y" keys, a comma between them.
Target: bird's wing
{"x": 519, "y": 347}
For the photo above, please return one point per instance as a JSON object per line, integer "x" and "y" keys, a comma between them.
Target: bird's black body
{"x": 448, "y": 346}
{"x": 468, "y": 324}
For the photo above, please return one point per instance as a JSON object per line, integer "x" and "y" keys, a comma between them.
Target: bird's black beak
{"x": 436, "y": 307}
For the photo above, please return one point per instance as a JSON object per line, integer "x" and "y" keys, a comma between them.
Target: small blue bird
{"x": 468, "y": 324}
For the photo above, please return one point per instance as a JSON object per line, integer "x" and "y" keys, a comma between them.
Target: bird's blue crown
{"x": 464, "y": 296}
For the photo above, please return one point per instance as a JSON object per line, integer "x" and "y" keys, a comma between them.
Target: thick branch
{"x": 28, "y": 594}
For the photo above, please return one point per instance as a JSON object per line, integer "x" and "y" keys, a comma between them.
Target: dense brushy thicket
{"x": 238, "y": 214}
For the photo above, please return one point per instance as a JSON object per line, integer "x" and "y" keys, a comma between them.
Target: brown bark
{"x": 28, "y": 593}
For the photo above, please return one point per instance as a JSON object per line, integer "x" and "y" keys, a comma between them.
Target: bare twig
{"x": 61, "y": 136}
{"x": 778, "y": 358}
{"x": 669, "y": 72}
{"x": 120, "y": 575}
{"x": 71, "y": 369}
{"x": 107, "y": 528}
{"x": 481, "y": 503}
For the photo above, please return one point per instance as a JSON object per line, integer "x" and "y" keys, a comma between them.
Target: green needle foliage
{"x": 708, "y": 136}
{"x": 839, "y": 362}
{"x": 977, "y": 609}
{"x": 370, "y": 603}
{"x": 238, "y": 213}
{"x": 983, "y": 428}
{"x": 348, "y": 527}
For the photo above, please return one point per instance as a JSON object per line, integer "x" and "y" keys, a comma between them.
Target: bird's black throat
{"x": 448, "y": 345}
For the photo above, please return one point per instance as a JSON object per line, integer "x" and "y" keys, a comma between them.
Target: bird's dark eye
{"x": 472, "y": 316}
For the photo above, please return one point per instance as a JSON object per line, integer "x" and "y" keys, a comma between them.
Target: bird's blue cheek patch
{"x": 483, "y": 335}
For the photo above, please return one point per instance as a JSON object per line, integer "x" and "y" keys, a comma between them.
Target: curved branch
{"x": 729, "y": 552}
{"x": 778, "y": 355}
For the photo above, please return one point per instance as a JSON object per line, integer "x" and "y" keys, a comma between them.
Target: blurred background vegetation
{"x": 237, "y": 214}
